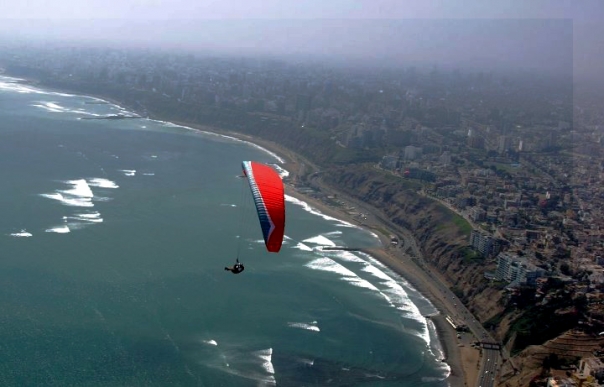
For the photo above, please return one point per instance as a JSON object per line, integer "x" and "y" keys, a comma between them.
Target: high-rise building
{"x": 504, "y": 144}
{"x": 486, "y": 245}
{"x": 512, "y": 268}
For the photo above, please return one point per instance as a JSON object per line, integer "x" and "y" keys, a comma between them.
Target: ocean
{"x": 114, "y": 238}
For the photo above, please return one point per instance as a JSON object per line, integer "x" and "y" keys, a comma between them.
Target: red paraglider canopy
{"x": 269, "y": 197}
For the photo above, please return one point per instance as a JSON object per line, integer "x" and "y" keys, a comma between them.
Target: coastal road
{"x": 449, "y": 302}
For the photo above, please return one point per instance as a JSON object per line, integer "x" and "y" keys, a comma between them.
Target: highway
{"x": 491, "y": 358}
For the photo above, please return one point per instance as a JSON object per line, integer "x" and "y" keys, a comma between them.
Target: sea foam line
{"x": 266, "y": 355}
{"x": 22, "y": 234}
{"x": 128, "y": 172}
{"x": 102, "y": 183}
{"x": 173, "y": 125}
{"x": 59, "y": 229}
{"x": 387, "y": 287}
{"x": 327, "y": 264}
{"x": 312, "y": 326}
{"x": 56, "y": 108}
{"x": 12, "y": 84}
{"x": 306, "y": 207}
{"x": 396, "y": 285}
{"x": 320, "y": 240}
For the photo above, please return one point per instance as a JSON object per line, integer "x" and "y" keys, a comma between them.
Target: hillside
{"x": 441, "y": 235}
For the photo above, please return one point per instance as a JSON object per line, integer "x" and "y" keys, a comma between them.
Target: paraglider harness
{"x": 236, "y": 268}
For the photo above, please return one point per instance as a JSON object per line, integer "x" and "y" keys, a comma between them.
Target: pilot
{"x": 236, "y": 268}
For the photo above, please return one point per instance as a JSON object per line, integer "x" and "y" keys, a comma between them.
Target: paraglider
{"x": 236, "y": 268}
{"x": 269, "y": 198}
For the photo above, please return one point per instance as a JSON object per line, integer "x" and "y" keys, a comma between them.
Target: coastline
{"x": 463, "y": 361}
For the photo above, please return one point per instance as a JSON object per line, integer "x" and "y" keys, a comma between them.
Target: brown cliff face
{"x": 440, "y": 233}
{"x": 443, "y": 242}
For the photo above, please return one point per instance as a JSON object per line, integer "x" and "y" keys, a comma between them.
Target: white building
{"x": 512, "y": 268}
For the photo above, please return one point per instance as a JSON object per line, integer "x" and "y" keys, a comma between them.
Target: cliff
{"x": 441, "y": 234}
{"x": 442, "y": 238}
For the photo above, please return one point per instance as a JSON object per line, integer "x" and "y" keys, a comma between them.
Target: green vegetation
{"x": 470, "y": 256}
{"x": 495, "y": 320}
{"x": 458, "y": 292}
{"x": 542, "y": 322}
{"x": 463, "y": 224}
{"x": 452, "y": 218}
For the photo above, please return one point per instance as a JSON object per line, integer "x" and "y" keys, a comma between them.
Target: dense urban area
{"x": 518, "y": 157}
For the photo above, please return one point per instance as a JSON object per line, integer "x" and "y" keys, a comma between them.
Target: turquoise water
{"x": 114, "y": 236}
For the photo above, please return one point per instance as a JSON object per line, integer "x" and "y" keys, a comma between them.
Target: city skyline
{"x": 551, "y": 37}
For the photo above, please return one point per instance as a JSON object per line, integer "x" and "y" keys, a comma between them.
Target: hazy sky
{"x": 511, "y": 33}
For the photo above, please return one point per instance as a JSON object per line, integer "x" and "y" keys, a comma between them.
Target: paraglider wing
{"x": 269, "y": 197}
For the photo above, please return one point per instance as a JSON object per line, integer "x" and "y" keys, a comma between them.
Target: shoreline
{"x": 462, "y": 363}
{"x": 464, "y": 370}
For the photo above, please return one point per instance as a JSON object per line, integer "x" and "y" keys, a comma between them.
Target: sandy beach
{"x": 460, "y": 355}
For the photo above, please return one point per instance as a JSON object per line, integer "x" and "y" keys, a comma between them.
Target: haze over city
{"x": 541, "y": 36}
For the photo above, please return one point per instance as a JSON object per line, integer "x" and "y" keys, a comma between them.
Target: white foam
{"x": 320, "y": 240}
{"x": 396, "y": 294}
{"x": 128, "y": 172}
{"x": 53, "y": 105}
{"x": 281, "y": 171}
{"x": 71, "y": 198}
{"x": 273, "y": 154}
{"x": 79, "y": 188}
{"x": 173, "y": 125}
{"x": 308, "y": 362}
{"x": 102, "y": 199}
{"x": 149, "y": 174}
{"x": 94, "y": 217}
{"x": 80, "y": 195}
{"x": 22, "y": 234}
{"x": 344, "y": 256}
{"x": 102, "y": 183}
{"x": 54, "y": 196}
{"x": 388, "y": 286}
{"x": 56, "y": 108}
{"x": 438, "y": 352}
{"x": 210, "y": 342}
{"x": 266, "y": 355}
{"x": 245, "y": 364}
{"x": 47, "y": 108}
{"x": 308, "y": 326}
{"x": 306, "y": 207}
{"x": 59, "y": 229}
{"x": 327, "y": 264}
{"x": 11, "y": 84}
{"x": 303, "y": 247}
{"x": 437, "y": 349}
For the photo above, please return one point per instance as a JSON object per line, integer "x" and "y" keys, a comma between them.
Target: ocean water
{"x": 114, "y": 235}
